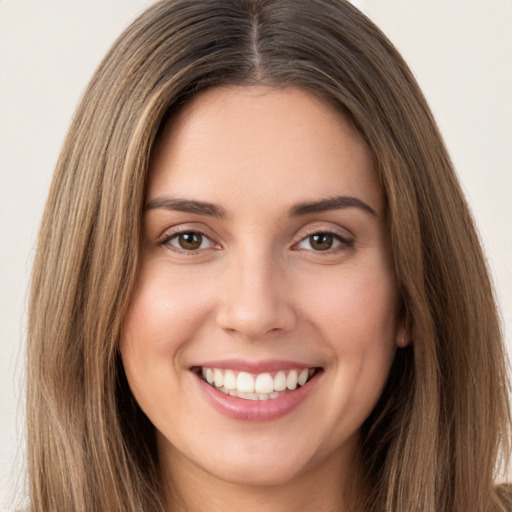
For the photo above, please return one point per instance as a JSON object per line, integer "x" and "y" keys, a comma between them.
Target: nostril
{"x": 256, "y": 322}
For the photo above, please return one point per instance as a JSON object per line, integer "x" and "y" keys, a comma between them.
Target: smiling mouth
{"x": 259, "y": 386}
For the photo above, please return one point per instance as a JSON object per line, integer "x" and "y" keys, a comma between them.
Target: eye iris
{"x": 190, "y": 241}
{"x": 321, "y": 241}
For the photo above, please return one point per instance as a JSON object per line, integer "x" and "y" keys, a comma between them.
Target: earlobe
{"x": 402, "y": 336}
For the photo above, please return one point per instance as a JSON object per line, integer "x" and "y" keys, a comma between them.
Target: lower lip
{"x": 256, "y": 410}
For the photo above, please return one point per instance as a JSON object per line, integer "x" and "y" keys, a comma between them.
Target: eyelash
{"x": 343, "y": 242}
{"x": 166, "y": 241}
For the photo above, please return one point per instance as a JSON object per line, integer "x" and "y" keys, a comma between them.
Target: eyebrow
{"x": 331, "y": 203}
{"x": 187, "y": 205}
{"x": 214, "y": 210}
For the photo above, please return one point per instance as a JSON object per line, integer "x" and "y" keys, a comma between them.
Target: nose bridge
{"x": 254, "y": 298}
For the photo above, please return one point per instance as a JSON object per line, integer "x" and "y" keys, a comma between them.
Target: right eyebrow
{"x": 186, "y": 205}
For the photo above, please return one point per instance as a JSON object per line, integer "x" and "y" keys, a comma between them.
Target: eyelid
{"x": 345, "y": 241}
{"x": 164, "y": 239}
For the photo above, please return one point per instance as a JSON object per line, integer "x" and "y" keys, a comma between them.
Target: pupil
{"x": 190, "y": 241}
{"x": 321, "y": 241}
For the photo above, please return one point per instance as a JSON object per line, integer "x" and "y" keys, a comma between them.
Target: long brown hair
{"x": 433, "y": 441}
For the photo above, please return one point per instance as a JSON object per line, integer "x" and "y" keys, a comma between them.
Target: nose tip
{"x": 255, "y": 304}
{"x": 252, "y": 322}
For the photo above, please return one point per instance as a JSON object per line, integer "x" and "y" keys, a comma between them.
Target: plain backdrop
{"x": 460, "y": 52}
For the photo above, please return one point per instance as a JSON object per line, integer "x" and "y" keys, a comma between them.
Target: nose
{"x": 255, "y": 302}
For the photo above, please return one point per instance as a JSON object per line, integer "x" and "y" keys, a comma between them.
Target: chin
{"x": 249, "y": 459}
{"x": 258, "y": 472}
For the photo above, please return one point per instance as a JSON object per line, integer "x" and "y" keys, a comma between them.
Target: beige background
{"x": 461, "y": 53}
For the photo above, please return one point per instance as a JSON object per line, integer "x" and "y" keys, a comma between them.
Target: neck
{"x": 330, "y": 486}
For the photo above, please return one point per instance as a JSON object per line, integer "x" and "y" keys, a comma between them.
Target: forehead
{"x": 261, "y": 143}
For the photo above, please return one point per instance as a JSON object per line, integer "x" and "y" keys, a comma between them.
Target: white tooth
{"x": 291, "y": 380}
{"x": 311, "y": 371}
{"x": 274, "y": 394}
{"x": 248, "y": 396}
{"x": 280, "y": 381}
{"x": 303, "y": 377}
{"x": 218, "y": 378}
{"x": 245, "y": 382}
{"x": 229, "y": 380}
{"x": 233, "y": 392}
{"x": 223, "y": 390}
{"x": 264, "y": 383}
{"x": 263, "y": 396}
{"x": 203, "y": 372}
{"x": 209, "y": 375}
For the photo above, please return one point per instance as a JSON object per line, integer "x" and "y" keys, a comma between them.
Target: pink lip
{"x": 254, "y": 367}
{"x": 256, "y": 410}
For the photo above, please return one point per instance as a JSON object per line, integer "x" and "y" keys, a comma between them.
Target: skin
{"x": 258, "y": 289}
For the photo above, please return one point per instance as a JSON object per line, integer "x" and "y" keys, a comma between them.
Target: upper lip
{"x": 269, "y": 365}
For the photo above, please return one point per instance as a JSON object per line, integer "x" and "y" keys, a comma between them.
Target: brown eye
{"x": 324, "y": 241}
{"x": 190, "y": 241}
{"x": 321, "y": 241}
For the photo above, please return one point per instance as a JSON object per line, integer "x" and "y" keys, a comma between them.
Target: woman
{"x": 258, "y": 283}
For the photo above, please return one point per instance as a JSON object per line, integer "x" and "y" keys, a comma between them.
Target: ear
{"x": 403, "y": 337}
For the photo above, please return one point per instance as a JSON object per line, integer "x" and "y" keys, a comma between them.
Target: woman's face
{"x": 266, "y": 270}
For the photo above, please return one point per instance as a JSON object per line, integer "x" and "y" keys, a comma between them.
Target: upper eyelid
{"x": 302, "y": 234}
{"x": 170, "y": 232}
{"x": 174, "y": 234}
{"x": 343, "y": 242}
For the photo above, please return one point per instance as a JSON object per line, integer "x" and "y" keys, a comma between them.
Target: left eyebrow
{"x": 331, "y": 203}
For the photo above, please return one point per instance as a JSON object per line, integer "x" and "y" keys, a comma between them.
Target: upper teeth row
{"x": 260, "y": 383}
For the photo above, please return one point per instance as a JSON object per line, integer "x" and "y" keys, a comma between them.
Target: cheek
{"x": 356, "y": 314}
{"x": 357, "y": 318}
{"x": 164, "y": 312}
{"x": 161, "y": 320}
{"x": 353, "y": 305}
